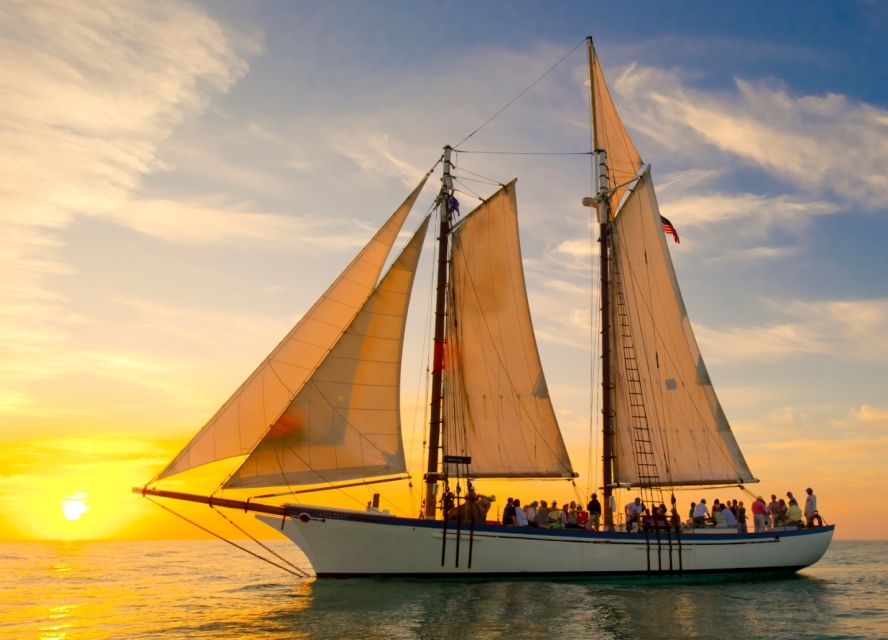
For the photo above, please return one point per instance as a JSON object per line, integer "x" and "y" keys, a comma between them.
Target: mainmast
{"x": 434, "y": 442}
{"x": 602, "y": 202}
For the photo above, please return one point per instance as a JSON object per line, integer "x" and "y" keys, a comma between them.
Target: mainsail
{"x": 242, "y": 421}
{"x": 662, "y": 387}
{"x": 345, "y": 422}
{"x": 498, "y": 410}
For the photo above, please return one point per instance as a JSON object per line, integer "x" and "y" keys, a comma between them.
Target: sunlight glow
{"x": 74, "y": 506}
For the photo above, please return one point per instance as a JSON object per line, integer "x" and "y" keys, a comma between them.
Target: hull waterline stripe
{"x": 568, "y": 574}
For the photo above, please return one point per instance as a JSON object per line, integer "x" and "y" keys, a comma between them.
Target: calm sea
{"x": 209, "y": 590}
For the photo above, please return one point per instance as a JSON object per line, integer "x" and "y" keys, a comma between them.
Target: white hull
{"x": 341, "y": 543}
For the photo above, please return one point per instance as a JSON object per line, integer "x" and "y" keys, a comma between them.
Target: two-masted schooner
{"x": 322, "y": 410}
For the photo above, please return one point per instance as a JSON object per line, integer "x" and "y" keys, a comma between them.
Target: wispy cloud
{"x": 182, "y": 222}
{"x": 788, "y": 136}
{"x": 759, "y": 213}
{"x": 855, "y": 329}
{"x": 373, "y": 153}
{"x": 94, "y": 89}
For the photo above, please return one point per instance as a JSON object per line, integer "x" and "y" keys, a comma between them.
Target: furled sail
{"x": 240, "y": 423}
{"x": 498, "y": 410}
{"x": 610, "y": 134}
{"x": 345, "y": 422}
{"x": 663, "y": 390}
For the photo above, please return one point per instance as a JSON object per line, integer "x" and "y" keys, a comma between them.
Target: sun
{"x": 75, "y": 506}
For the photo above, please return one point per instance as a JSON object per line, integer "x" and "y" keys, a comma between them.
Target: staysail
{"x": 498, "y": 410}
{"x": 240, "y": 423}
{"x": 345, "y": 422}
{"x": 660, "y": 375}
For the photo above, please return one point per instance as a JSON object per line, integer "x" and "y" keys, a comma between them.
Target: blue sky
{"x": 184, "y": 179}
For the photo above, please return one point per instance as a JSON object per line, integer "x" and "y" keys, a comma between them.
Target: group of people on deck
{"x": 774, "y": 515}
{"x": 540, "y": 513}
{"x": 728, "y": 514}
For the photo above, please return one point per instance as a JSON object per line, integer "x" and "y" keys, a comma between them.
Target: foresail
{"x": 345, "y": 422}
{"x": 610, "y": 134}
{"x": 498, "y": 410}
{"x": 242, "y": 421}
{"x": 661, "y": 381}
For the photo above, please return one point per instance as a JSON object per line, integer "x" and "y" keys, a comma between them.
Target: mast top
{"x": 446, "y": 177}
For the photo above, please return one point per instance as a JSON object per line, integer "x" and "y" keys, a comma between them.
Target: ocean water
{"x": 197, "y": 589}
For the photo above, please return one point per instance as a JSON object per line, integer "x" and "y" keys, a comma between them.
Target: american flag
{"x": 668, "y": 228}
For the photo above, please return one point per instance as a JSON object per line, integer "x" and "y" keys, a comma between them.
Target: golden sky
{"x": 182, "y": 181}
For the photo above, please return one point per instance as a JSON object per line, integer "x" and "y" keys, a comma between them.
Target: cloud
{"x": 93, "y": 91}
{"x": 871, "y": 415}
{"x": 759, "y": 213}
{"x": 203, "y": 223}
{"x": 372, "y": 152}
{"x": 856, "y": 329}
{"x": 788, "y": 136}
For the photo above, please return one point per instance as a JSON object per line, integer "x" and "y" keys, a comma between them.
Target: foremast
{"x": 445, "y": 208}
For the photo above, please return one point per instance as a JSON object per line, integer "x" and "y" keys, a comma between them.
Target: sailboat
{"x": 323, "y": 409}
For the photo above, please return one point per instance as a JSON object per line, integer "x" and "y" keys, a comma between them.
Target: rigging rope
{"x": 224, "y": 539}
{"x": 530, "y": 153}
{"x": 525, "y": 90}
{"x": 264, "y": 546}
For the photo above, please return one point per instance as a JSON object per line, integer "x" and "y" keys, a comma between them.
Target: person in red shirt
{"x": 582, "y": 517}
{"x": 759, "y": 511}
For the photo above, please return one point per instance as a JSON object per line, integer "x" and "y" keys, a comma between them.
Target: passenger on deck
{"x": 520, "y": 516}
{"x": 758, "y": 514}
{"x": 594, "y": 507}
{"x": 701, "y": 511}
{"x": 692, "y": 511}
{"x": 509, "y": 513}
{"x": 660, "y": 516}
{"x": 773, "y": 510}
{"x": 810, "y": 506}
{"x": 543, "y": 515}
{"x": 793, "y": 514}
{"x": 718, "y": 515}
{"x": 582, "y": 517}
{"x": 647, "y": 520}
{"x": 531, "y": 513}
{"x": 741, "y": 519}
{"x": 633, "y": 513}
{"x": 781, "y": 512}
{"x": 730, "y": 518}
{"x": 555, "y": 516}
{"x": 569, "y": 516}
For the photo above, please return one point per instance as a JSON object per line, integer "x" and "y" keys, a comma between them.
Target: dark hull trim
{"x": 653, "y": 576}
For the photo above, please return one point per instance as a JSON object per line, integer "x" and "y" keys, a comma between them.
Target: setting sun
{"x": 75, "y": 506}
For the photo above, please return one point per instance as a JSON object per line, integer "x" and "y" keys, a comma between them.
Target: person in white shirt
{"x": 810, "y": 505}
{"x": 532, "y": 514}
{"x": 520, "y": 516}
{"x": 633, "y": 512}
{"x": 700, "y": 513}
